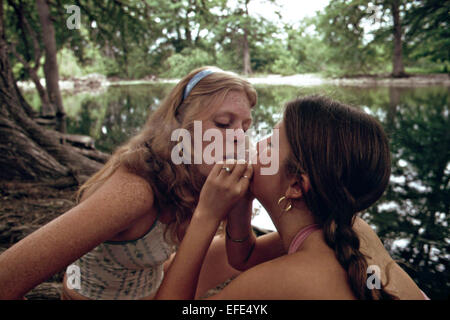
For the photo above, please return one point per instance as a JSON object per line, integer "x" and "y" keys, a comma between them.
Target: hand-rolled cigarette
{"x": 250, "y": 150}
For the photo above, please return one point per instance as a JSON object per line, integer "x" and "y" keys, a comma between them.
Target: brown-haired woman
{"x": 131, "y": 213}
{"x": 334, "y": 163}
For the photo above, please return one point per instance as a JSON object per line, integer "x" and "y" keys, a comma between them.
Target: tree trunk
{"x": 29, "y": 151}
{"x": 246, "y": 50}
{"x": 51, "y": 63}
{"x": 247, "y": 65}
{"x": 398, "y": 68}
{"x": 47, "y": 109}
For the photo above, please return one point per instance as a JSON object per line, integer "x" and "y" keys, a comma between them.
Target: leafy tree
{"x": 30, "y": 152}
{"x": 306, "y": 47}
{"x": 239, "y": 35}
{"x": 33, "y": 35}
{"x": 344, "y": 26}
{"x": 428, "y": 32}
{"x": 341, "y": 27}
{"x": 119, "y": 29}
{"x": 180, "y": 64}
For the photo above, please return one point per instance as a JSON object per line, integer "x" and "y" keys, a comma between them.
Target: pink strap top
{"x": 301, "y": 236}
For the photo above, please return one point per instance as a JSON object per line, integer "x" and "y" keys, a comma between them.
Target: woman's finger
{"x": 227, "y": 168}
{"x": 248, "y": 173}
{"x": 239, "y": 169}
{"x": 216, "y": 169}
{"x": 246, "y": 177}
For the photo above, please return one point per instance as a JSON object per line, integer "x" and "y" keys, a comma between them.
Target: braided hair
{"x": 345, "y": 154}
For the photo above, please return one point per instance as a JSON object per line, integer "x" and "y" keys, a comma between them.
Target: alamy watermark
{"x": 374, "y": 278}
{"x": 238, "y": 146}
{"x": 73, "y": 277}
{"x": 74, "y": 20}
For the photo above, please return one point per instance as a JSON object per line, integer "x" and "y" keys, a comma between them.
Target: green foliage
{"x": 341, "y": 26}
{"x": 429, "y": 31}
{"x": 68, "y": 66}
{"x": 264, "y": 56}
{"x": 305, "y": 46}
{"x": 133, "y": 39}
{"x": 180, "y": 64}
{"x": 285, "y": 65}
{"x": 359, "y": 35}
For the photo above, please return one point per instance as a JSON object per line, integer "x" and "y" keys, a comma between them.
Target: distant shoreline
{"x": 97, "y": 82}
{"x": 363, "y": 81}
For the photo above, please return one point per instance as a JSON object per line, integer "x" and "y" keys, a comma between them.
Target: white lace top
{"x": 125, "y": 269}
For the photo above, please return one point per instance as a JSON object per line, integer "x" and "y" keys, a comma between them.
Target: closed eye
{"x": 222, "y": 125}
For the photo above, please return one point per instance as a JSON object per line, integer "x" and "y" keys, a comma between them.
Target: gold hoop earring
{"x": 289, "y": 206}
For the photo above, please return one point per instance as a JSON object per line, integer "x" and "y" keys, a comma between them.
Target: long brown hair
{"x": 148, "y": 154}
{"x": 345, "y": 154}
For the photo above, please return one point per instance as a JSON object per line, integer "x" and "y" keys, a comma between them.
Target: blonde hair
{"x": 148, "y": 154}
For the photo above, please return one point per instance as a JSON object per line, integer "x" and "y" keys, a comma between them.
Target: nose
{"x": 239, "y": 125}
{"x": 234, "y": 141}
{"x": 239, "y": 135}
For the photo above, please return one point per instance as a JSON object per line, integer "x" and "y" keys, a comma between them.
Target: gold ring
{"x": 226, "y": 169}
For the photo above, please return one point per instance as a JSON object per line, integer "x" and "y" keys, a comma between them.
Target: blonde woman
{"x": 131, "y": 215}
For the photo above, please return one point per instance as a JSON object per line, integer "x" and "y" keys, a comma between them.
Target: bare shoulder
{"x": 125, "y": 187}
{"x": 370, "y": 244}
{"x": 395, "y": 279}
{"x": 116, "y": 205}
{"x": 130, "y": 184}
{"x": 298, "y": 276}
{"x": 365, "y": 231}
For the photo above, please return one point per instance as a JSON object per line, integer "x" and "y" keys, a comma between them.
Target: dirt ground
{"x": 24, "y": 209}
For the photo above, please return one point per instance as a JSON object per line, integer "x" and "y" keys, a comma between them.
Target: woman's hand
{"x": 226, "y": 184}
{"x": 222, "y": 189}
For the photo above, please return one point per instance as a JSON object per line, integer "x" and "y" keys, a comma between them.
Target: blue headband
{"x": 195, "y": 79}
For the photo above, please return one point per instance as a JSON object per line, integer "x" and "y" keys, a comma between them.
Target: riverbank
{"x": 99, "y": 83}
{"x": 363, "y": 81}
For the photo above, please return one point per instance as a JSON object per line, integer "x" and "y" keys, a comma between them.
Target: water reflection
{"x": 411, "y": 218}
{"x": 415, "y": 208}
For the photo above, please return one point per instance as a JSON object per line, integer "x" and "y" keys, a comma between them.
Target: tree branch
{"x": 26, "y": 28}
